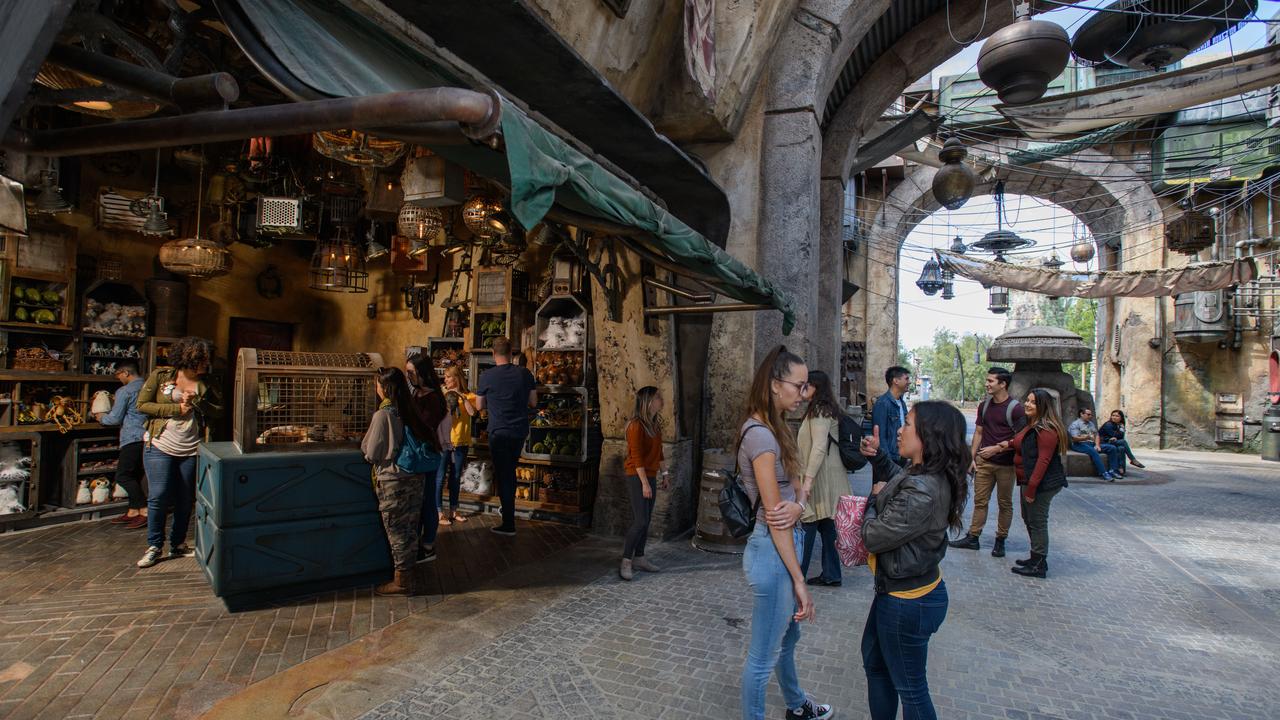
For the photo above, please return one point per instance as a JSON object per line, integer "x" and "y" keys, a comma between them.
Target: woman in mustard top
{"x": 462, "y": 405}
{"x": 905, "y": 531}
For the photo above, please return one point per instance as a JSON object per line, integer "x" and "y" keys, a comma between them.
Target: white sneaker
{"x": 150, "y": 557}
{"x": 642, "y": 563}
{"x": 624, "y": 572}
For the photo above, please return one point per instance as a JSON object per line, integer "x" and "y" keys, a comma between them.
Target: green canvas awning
{"x": 330, "y": 51}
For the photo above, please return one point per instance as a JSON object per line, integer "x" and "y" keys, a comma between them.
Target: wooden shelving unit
{"x": 78, "y": 465}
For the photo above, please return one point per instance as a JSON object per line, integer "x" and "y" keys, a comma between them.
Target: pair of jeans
{"x": 986, "y": 477}
{"x": 895, "y": 652}
{"x": 1125, "y": 451}
{"x": 172, "y": 481}
{"x": 774, "y": 633}
{"x": 830, "y": 558}
{"x": 505, "y": 451}
{"x": 1035, "y": 516}
{"x": 129, "y": 474}
{"x": 641, "y": 513}
{"x": 450, "y": 469}
{"x": 1114, "y": 458}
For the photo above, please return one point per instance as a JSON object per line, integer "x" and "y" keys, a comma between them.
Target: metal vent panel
{"x": 280, "y": 358}
{"x": 281, "y": 214}
{"x": 115, "y": 210}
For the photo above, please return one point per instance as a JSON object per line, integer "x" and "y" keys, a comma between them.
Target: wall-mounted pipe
{"x": 478, "y": 114}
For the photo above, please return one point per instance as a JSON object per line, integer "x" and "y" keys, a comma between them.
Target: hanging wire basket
{"x": 196, "y": 257}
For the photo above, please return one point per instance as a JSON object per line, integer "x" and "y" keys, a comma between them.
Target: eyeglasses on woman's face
{"x": 800, "y": 387}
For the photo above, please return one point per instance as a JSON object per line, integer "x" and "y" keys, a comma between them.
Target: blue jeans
{"x": 429, "y": 522}
{"x": 451, "y": 469}
{"x": 830, "y": 558}
{"x": 774, "y": 633}
{"x": 1125, "y": 450}
{"x": 170, "y": 481}
{"x": 1115, "y": 457}
{"x": 895, "y": 650}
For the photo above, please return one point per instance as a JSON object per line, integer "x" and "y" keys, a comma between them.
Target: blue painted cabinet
{"x": 271, "y": 525}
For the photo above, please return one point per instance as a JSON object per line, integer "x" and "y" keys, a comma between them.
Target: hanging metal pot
{"x": 953, "y": 183}
{"x": 1019, "y": 61}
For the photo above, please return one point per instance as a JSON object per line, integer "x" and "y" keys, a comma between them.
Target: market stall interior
{"x": 205, "y": 169}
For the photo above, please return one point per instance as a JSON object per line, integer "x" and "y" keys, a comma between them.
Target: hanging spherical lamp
{"x": 420, "y": 223}
{"x": 1019, "y": 61}
{"x": 954, "y": 181}
{"x": 476, "y": 213}
{"x": 930, "y": 281}
{"x": 1082, "y": 252}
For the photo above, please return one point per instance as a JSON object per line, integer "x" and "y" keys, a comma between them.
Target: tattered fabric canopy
{"x": 1108, "y": 283}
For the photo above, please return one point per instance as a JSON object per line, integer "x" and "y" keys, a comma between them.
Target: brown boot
{"x": 401, "y": 584}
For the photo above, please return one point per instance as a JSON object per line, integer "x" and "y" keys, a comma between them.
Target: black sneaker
{"x": 810, "y": 711}
{"x": 499, "y": 530}
{"x": 150, "y": 557}
{"x": 181, "y": 551}
{"x": 426, "y": 554}
{"x": 968, "y": 542}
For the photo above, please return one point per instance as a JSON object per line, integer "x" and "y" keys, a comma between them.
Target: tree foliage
{"x": 941, "y": 363}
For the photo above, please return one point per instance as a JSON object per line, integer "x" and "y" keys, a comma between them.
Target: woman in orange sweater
{"x": 644, "y": 456}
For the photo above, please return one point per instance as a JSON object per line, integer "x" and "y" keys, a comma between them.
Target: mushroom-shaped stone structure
{"x": 1037, "y": 354}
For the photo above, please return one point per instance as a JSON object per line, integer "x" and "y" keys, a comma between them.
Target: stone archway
{"x": 1108, "y": 196}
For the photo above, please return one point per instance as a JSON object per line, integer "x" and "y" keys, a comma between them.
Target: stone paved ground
{"x": 84, "y": 633}
{"x": 1162, "y": 603}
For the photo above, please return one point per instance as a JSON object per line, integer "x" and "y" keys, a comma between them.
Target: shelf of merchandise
{"x": 28, "y": 490}
{"x": 76, "y": 455}
{"x": 436, "y": 344}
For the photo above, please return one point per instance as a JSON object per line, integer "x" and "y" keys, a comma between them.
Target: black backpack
{"x": 736, "y": 508}
{"x": 850, "y": 443}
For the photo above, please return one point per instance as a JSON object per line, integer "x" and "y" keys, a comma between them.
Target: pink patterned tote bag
{"x": 849, "y": 544}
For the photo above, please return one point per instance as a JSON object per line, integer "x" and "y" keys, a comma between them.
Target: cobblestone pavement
{"x": 1162, "y": 602}
{"x": 84, "y": 633}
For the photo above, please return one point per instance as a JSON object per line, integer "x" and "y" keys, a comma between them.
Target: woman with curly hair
{"x": 180, "y": 402}
{"x": 905, "y": 531}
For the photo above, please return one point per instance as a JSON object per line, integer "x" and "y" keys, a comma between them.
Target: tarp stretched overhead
{"x": 1109, "y": 283}
{"x": 1101, "y": 107}
{"x": 314, "y": 48}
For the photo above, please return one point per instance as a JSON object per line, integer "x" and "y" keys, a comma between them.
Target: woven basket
{"x": 37, "y": 359}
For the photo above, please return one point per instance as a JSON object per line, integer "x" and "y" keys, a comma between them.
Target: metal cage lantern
{"x": 419, "y": 223}
{"x": 476, "y": 213}
{"x": 999, "y": 300}
{"x": 953, "y": 183}
{"x": 339, "y": 266}
{"x": 196, "y": 257}
{"x": 930, "y": 281}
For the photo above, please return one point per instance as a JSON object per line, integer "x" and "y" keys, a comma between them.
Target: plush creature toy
{"x": 9, "y": 500}
{"x": 14, "y": 465}
{"x": 101, "y": 490}
{"x": 119, "y": 493}
{"x": 84, "y": 495}
{"x": 477, "y": 478}
{"x": 555, "y": 336}
{"x": 575, "y": 332}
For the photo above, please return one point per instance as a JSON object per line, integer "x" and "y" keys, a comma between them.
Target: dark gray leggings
{"x": 641, "y": 512}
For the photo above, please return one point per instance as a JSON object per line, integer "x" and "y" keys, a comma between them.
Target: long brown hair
{"x": 941, "y": 429}
{"x": 775, "y": 366}
{"x": 823, "y": 403}
{"x": 396, "y": 389}
{"x": 1047, "y": 416}
{"x": 648, "y": 419}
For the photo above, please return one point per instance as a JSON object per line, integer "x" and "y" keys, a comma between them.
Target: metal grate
{"x": 280, "y": 213}
{"x": 115, "y": 210}
{"x": 313, "y": 359}
{"x": 313, "y": 409}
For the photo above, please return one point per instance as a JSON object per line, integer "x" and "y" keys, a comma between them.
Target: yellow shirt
{"x": 460, "y": 433}
{"x": 906, "y": 594}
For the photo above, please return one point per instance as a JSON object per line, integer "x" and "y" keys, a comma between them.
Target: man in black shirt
{"x": 506, "y": 391}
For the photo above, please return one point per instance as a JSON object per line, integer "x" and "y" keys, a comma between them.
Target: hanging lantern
{"x": 1053, "y": 262}
{"x": 954, "y": 181}
{"x": 476, "y": 213}
{"x": 930, "y": 278}
{"x": 375, "y": 249}
{"x": 958, "y": 247}
{"x": 999, "y": 300}
{"x": 419, "y": 223}
{"x": 50, "y": 200}
{"x": 152, "y": 206}
{"x": 338, "y": 266}
{"x": 948, "y": 285}
{"x": 1082, "y": 252}
{"x": 196, "y": 257}
{"x": 1019, "y": 61}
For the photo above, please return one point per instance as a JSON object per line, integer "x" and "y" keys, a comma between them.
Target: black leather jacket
{"x": 906, "y": 527}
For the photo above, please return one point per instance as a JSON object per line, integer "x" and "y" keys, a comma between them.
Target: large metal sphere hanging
{"x": 1082, "y": 252}
{"x": 476, "y": 213}
{"x": 954, "y": 181}
{"x": 1019, "y": 61}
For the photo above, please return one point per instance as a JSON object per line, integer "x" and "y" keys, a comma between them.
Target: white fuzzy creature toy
{"x": 555, "y": 336}
{"x": 84, "y": 495}
{"x": 119, "y": 493}
{"x": 9, "y": 500}
{"x": 14, "y": 465}
{"x": 575, "y": 332}
{"x": 477, "y": 478}
{"x": 101, "y": 402}
{"x": 101, "y": 491}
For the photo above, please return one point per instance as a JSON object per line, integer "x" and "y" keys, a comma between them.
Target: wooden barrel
{"x": 168, "y": 307}
{"x": 710, "y": 533}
